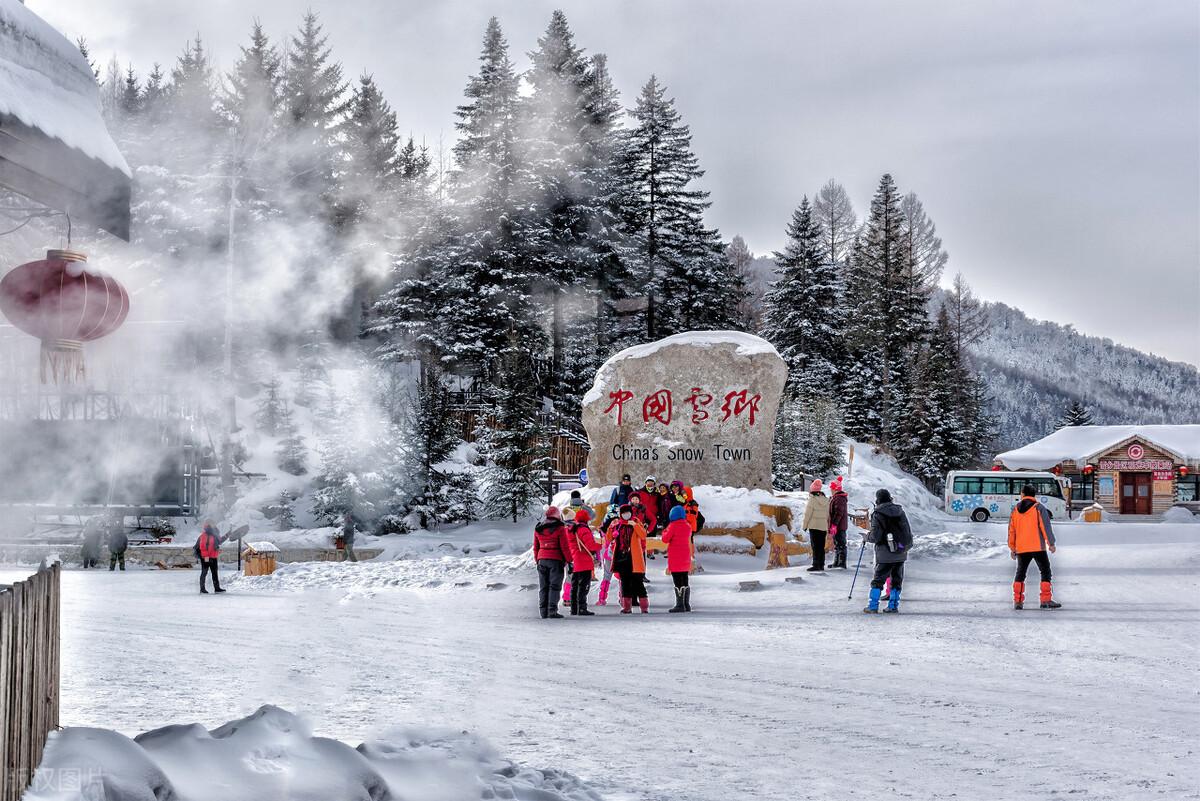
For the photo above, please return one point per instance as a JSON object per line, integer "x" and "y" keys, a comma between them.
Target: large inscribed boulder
{"x": 697, "y": 407}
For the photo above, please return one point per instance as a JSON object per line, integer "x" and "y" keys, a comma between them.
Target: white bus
{"x": 981, "y": 494}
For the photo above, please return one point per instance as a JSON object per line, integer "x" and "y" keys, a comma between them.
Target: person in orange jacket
{"x": 629, "y": 561}
{"x": 1030, "y": 535}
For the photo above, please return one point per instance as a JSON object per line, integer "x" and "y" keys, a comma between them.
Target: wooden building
{"x": 1129, "y": 470}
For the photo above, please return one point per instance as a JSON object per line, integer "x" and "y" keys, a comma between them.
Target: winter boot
{"x": 644, "y": 603}
{"x": 203, "y": 591}
{"x": 893, "y": 602}
{"x": 626, "y": 606}
{"x": 1018, "y": 595}
{"x": 678, "y": 607}
{"x": 583, "y": 610}
{"x": 1047, "y": 600}
{"x": 687, "y": 599}
{"x": 603, "y": 599}
{"x": 873, "y": 604}
{"x": 554, "y": 613}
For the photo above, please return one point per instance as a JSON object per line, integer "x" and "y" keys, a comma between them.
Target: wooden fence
{"x": 29, "y": 670}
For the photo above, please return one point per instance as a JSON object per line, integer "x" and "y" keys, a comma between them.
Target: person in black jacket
{"x": 839, "y": 521}
{"x": 118, "y": 543}
{"x": 892, "y": 537}
{"x": 92, "y": 535}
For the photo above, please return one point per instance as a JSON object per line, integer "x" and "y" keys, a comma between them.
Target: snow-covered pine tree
{"x": 312, "y": 369}
{"x": 788, "y": 473}
{"x": 513, "y": 443}
{"x": 808, "y": 441}
{"x": 741, "y": 260}
{"x": 283, "y": 510}
{"x": 834, "y": 214}
{"x": 801, "y": 311}
{"x": 443, "y": 494}
{"x": 686, "y": 278}
{"x": 934, "y": 436}
{"x": 268, "y": 417}
{"x": 291, "y": 455}
{"x": 1077, "y": 414}
{"x": 131, "y": 95}
{"x": 968, "y": 318}
{"x": 346, "y": 480}
{"x": 314, "y": 104}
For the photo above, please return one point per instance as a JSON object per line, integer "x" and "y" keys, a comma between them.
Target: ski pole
{"x": 856, "y": 567}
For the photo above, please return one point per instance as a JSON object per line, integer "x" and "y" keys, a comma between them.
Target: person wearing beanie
{"x": 665, "y": 501}
{"x": 678, "y": 538}
{"x": 648, "y": 499}
{"x": 608, "y": 544}
{"x": 629, "y": 562}
{"x": 583, "y": 546}
{"x": 621, "y": 492}
{"x": 839, "y": 521}
{"x": 1030, "y": 535}
{"x": 551, "y": 549}
{"x": 892, "y": 538}
{"x": 573, "y": 506}
{"x": 816, "y": 523}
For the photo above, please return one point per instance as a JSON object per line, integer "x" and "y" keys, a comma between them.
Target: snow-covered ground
{"x": 785, "y": 692}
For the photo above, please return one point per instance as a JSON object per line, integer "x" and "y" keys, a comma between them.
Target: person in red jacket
{"x": 647, "y": 498}
{"x": 583, "y": 545}
{"x": 839, "y": 522}
{"x": 678, "y": 538}
{"x": 208, "y": 546}
{"x": 551, "y": 549}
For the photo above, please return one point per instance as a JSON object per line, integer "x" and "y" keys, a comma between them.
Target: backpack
{"x": 900, "y": 535}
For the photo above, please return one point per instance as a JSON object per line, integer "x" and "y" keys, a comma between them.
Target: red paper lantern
{"x": 1088, "y": 469}
{"x": 1183, "y": 471}
{"x": 997, "y": 468}
{"x": 1056, "y": 470}
{"x": 64, "y": 303}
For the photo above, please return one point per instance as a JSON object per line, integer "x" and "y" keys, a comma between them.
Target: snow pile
{"x": 746, "y": 344}
{"x": 948, "y": 545}
{"x": 366, "y": 578}
{"x": 273, "y": 754}
{"x": 1081, "y": 443}
{"x": 46, "y": 83}
{"x": 1180, "y": 514}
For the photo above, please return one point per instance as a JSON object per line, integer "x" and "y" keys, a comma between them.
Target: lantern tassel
{"x": 62, "y": 361}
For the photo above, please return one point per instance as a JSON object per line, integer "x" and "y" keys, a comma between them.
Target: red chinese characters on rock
{"x": 658, "y": 406}
{"x": 738, "y": 402}
{"x": 617, "y": 400}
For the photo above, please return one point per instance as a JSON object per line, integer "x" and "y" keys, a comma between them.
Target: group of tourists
{"x": 99, "y": 532}
{"x": 565, "y": 542}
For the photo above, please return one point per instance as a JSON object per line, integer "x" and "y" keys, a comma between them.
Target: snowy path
{"x": 784, "y": 693}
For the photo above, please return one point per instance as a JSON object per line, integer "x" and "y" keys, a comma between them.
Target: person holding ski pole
{"x": 892, "y": 538}
{"x": 1029, "y": 537}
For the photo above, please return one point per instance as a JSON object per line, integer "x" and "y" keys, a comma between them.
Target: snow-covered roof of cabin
{"x": 747, "y": 345}
{"x": 1081, "y": 443}
{"x": 261, "y": 547}
{"x": 47, "y": 84}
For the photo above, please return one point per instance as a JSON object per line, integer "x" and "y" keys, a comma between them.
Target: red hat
{"x": 836, "y": 484}
{"x": 552, "y": 513}
{"x": 815, "y": 486}
{"x": 582, "y": 516}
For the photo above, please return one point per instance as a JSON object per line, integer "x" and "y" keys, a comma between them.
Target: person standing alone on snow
{"x": 551, "y": 549}
{"x": 892, "y": 537}
{"x": 839, "y": 520}
{"x": 348, "y": 536}
{"x": 678, "y": 538}
{"x": 816, "y": 523}
{"x": 583, "y": 545}
{"x": 208, "y": 547}
{"x": 1029, "y": 536}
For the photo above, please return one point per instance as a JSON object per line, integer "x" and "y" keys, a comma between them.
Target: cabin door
{"x": 1136, "y": 496}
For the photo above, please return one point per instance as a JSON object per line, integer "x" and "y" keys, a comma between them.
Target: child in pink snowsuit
{"x": 607, "y": 547}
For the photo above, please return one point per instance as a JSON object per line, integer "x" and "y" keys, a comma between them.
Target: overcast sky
{"x": 1055, "y": 144}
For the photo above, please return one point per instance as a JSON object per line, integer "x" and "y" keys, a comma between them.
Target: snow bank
{"x": 273, "y": 754}
{"x": 747, "y": 345}
{"x": 46, "y": 83}
{"x": 1180, "y": 514}
{"x": 1081, "y": 443}
{"x": 367, "y": 578}
{"x": 948, "y": 545}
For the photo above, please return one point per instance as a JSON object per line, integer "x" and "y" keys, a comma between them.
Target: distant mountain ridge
{"x": 1034, "y": 369}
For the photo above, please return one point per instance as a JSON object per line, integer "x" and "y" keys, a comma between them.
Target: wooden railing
{"x": 29, "y": 670}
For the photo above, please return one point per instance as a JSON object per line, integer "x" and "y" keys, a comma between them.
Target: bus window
{"x": 967, "y": 486}
{"x": 995, "y": 486}
{"x": 1048, "y": 486}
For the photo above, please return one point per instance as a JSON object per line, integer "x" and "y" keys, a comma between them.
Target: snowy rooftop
{"x": 261, "y": 546}
{"x": 1082, "y": 443}
{"x": 47, "y": 84}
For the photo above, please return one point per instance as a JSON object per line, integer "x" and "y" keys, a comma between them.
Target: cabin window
{"x": 1187, "y": 489}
